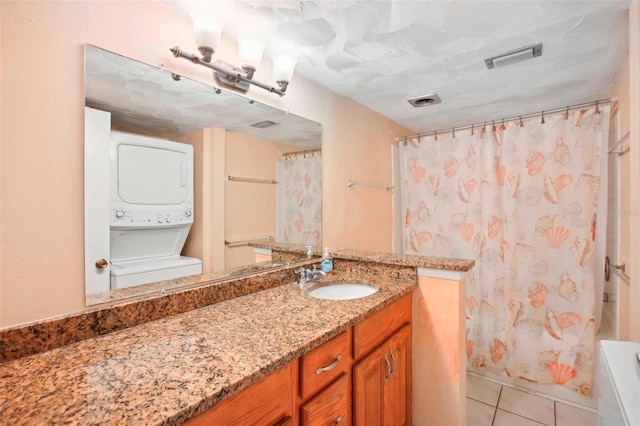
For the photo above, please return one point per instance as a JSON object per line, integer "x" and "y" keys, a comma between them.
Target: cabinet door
{"x": 397, "y": 391}
{"x": 369, "y": 376}
{"x": 329, "y": 407}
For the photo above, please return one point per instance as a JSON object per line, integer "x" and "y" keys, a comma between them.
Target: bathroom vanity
{"x": 316, "y": 388}
{"x": 272, "y": 352}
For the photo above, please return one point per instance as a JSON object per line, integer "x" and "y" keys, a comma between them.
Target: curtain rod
{"x": 502, "y": 120}
{"x": 306, "y": 151}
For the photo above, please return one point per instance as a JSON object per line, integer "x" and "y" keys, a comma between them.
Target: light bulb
{"x": 283, "y": 66}
{"x": 207, "y": 30}
{"x": 250, "y": 51}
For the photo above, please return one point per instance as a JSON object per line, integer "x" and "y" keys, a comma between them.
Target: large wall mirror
{"x": 256, "y": 170}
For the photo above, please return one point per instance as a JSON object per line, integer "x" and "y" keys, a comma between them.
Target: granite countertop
{"x": 432, "y": 262}
{"x": 419, "y": 261}
{"x": 167, "y": 371}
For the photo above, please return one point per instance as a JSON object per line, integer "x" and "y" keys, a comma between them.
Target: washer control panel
{"x": 127, "y": 217}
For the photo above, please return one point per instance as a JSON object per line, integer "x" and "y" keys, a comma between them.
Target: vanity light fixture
{"x": 207, "y": 30}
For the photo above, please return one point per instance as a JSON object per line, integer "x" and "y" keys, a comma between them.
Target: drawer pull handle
{"x": 388, "y": 376}
{"x": 393, "y": 370}
{"x": 329, "y": 367}
{"x": 339, "y": 420}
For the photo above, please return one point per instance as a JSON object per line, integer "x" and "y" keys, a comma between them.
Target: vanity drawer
{"x": 322, "y": 365}
{"x": 372, "y": 331}
{"x": 332, "y": 406}
{"x": 269, "y": 401}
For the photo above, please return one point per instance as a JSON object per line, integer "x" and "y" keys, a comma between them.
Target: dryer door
{"x": 148, "y": 175}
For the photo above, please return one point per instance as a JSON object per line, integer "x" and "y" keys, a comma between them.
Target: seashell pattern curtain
{"x": 522, "y": 202}
{"x": 300, "y": 199}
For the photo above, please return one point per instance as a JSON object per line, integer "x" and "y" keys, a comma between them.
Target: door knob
{"x": 102, "y": 263}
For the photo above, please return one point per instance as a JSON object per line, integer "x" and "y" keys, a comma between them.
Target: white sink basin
{"x": 343, "y": 291}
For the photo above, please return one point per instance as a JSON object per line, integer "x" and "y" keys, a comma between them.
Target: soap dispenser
{"x": 309, "y": 252}
{"x": 327, "y": 263}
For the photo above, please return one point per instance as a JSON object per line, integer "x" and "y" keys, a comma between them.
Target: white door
{"x": 97, "y": 131}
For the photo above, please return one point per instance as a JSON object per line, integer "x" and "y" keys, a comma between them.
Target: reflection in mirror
{"x": 256, "y": 173}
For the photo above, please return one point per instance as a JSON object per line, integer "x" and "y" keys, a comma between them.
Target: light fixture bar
{"x": 228, "y": 75}
{"x": 513, "y": 56}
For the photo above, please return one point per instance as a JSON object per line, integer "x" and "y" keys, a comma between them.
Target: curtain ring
{"x": 520, "y": 123}
{"x": 472, "y": 130}
{"x": 566, "y": 114}
{"x": 597, "y": 109}
{"x": 542, "y": 118}
{"x": 493, "y": 126}
{"x": 484, "y": 129}
{"x": 435, "y": 136}
{"x": 453, "y": 133}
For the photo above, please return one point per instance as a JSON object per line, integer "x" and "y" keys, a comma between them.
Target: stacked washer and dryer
{"x": 151, "y": 210}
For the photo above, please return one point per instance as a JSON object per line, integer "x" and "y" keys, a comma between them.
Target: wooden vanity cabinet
{"x": 382, "y": 376}
{"x": 362, "y": 377}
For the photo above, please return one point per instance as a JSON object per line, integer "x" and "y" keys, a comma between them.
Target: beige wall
{"x": 623, "y": 216}
{"x": 201, "y": 241}
{"x": 41, "y": 133}
{"x": 244, "y": 210}
{"x": 250, "y": 208}
{"x": 634, "y": 169}
{"x": 627, "y": 90}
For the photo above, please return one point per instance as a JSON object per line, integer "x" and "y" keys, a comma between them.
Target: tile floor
{"x": 492, "y": 404}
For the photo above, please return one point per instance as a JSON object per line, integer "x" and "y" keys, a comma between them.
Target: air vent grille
{"x": 514, "y": 56}
{"x": 264, "y": 124}
{"x": 424, "y": 100}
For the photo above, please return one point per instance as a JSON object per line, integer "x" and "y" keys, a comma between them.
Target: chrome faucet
{"x": 307, "y": 275}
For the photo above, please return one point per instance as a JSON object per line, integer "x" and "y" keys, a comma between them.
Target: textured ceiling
{"x": 380, "y": 53}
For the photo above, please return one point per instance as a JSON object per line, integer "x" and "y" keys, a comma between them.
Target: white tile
{"x": 505, "y": 418}
{"x": 483, "y": 390}
{"x": 566, "y": 415}
{"x": 527, "y": 405}
{"x": 479, "y": 414}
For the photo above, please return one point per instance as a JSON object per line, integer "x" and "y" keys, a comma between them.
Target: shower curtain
{"x": 300, "y": 198}
{"x": 521, "y": 199}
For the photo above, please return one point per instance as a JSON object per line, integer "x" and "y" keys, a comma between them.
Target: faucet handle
{"x": 303, "y": 275}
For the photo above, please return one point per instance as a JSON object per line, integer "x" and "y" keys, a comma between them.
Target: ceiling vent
{"x": 514, "y": 56}
{"x": 424, "y": 100}
{"x": 264, "y": 124}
